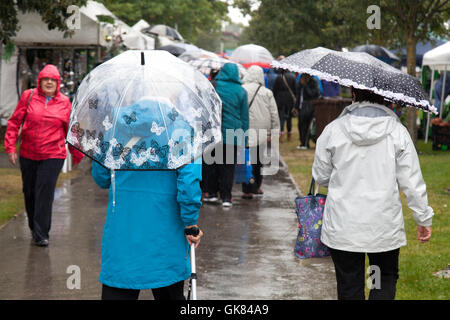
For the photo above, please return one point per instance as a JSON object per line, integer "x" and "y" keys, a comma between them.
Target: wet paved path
{"x": 246, "y": 253}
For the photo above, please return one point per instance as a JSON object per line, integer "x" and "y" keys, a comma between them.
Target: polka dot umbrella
{"x": 359, "y": 70}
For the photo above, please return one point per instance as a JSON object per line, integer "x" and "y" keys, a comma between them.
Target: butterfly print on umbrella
{"x": 129, "y": 119}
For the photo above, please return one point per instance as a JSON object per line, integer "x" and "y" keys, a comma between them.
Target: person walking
{"x": 220, "y": 173}
{"x": 264, "y": 121}
{"x": 284, "y": 91}
{"x": 43, "y": 114}
{"x": 144, "y": 244}
{"x": 307, "y": 90}
{"x": 364, "y": 157}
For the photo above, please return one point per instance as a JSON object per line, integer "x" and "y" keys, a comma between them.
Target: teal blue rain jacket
{"x": 143, "y": 244}
{"x": 234, "y": 101}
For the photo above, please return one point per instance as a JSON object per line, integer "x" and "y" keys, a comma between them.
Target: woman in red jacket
{"x": 44, "y": 115}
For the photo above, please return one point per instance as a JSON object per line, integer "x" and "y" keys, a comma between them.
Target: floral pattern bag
{"x": 309, "y": 211}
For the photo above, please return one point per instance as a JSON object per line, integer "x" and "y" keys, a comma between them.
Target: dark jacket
{"x": 310, "y": 92}
{"x": 234, "y": 100}
{"x": 283, "y": 97}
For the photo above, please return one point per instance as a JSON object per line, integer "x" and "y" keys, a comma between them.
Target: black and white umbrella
{"x": 178, "y": 48}
{"x": 359, "y": 70}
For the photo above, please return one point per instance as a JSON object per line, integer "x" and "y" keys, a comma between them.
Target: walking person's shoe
{"x": 247, "y": 196}
{"x": 281, "y": 137}
{"x": 227, "y": 203}
{"x": 259, "y": 192}
{"x": 41, "y": 243}
{"x": 289, "y": 136}
{"x": 302, "y": 147}
{"x": 211, "y": 198}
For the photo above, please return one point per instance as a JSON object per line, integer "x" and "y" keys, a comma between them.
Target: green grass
{"x": 418, "y": 261}
{"x": 11, "y": 196}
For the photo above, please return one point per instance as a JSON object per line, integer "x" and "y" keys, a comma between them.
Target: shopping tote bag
{"x": 243, "y": 169}
{"x": 309, "y": 211}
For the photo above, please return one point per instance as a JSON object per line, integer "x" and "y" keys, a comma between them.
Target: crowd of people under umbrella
{"x": 147, "y": 116}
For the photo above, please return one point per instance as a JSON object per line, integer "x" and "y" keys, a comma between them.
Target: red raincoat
{"x": 45, "y": 124}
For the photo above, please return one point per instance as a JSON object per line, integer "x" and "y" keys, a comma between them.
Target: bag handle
{"x": 294, "y": 99}
{"x": 28, "y": 104}
{"x": 251, "y": 102}
{"x": 312, "y": 188}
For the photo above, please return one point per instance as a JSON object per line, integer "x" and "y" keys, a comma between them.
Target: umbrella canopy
{"x": 251, "y": 54}
{"x": 178, "y": 48}
{"x": 145, "y": 110}
{"x": 163, "y": 30}
{"x": 197, "y": 54}
{"x": 206, "y": 65}
{"x": 359, "y": 70}
{"x": 378, "y": 52}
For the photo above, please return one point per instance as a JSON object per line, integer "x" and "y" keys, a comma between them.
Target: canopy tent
{"x": 437, "y": 59}
{"x": 34, "y": 30}
{"x": 134, "y": 39}
{"x": 141, "y": 24}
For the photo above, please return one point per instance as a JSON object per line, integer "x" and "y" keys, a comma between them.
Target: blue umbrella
{"x": 378, "y": 52}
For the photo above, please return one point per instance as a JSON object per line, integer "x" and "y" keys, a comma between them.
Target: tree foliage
{"x": 287, "y": 26}
{"x": 190, "y": 17}
{"x": 53, "y": 13}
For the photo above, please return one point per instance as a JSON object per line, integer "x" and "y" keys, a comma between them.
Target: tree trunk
{"x": 411, "y": 113}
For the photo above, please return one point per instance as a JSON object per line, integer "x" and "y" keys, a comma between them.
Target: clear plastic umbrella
{"x": 145, "y": 110}
{"x": 197, "y": 54}
{"x": 205, "y": 65}
{"x": 251, "y": 54}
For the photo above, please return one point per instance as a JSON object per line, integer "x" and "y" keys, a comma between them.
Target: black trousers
{"x": 39, "y": 182}
{"x": 305, "y": 116}
{"x": 219, "y": 176}
{"x": 256, "y": 171}
{"x": 350, "y": 274}
{"x": 172, "y": 292}
{"x": 285, "y": 118}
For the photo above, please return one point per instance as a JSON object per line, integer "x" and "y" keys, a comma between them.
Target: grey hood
{"x": 366, "y": 123}
{"x": 255, "y": 74}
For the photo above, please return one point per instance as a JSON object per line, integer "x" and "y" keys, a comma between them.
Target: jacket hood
{"x": 229, "y": 72}
{"x": 367, "y": 123}
{"x": 255, "y": 74}
{"x": 49, "y": 71}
